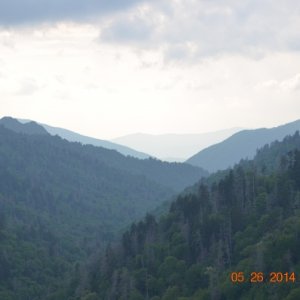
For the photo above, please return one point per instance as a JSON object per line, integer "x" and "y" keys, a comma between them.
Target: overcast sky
{"x": 110, "y": 68}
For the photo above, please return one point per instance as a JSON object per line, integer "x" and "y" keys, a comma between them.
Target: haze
{"x": 107, "y": 69}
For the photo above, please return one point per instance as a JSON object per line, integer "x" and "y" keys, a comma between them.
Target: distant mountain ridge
{"x": 28, "y": 128}
{"x": 239, "y": 146}
{"x": 60, "y": 200}
{"x": 76, "y": 137}
{"x": 175, "y": 176}
{"x": 174, "y": 147}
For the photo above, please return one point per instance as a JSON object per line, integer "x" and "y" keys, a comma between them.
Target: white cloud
{"x": 28, "y": 87}
{"x": 167, "y": 66}
{"x": 251, "y": 28}
{"x": 291, "y": 83}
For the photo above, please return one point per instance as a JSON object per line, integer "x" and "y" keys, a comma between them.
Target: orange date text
{"x": 258, "y": 277}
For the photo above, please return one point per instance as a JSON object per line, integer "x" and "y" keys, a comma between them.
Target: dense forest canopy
{"x": 61, "y": 202}
{"x": 246, "y": 221}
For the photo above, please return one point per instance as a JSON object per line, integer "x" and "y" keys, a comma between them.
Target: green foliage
{"x": 171, "y": 293}
{"x": 294, "y": 295}
{"x": 90, "y": 296}
{"x": 246, "y": 221}
{"x": 135, "y": 295}
{"x": 59, "y": 201}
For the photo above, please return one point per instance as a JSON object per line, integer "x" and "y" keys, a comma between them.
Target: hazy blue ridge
{"x": 173, "y": 175}
{"x": 239, "y": 146}
{"x": 76, "y": 137}
{"x": 28, "y": 128}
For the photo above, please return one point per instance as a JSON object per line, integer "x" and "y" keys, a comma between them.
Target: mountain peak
{"x": 27, "y": 128}
{"x": 240, "y": 145}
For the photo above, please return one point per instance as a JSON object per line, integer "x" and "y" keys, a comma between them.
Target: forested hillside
{"x": 175, "y": 176}
{"x": 61, "y": 201}
{"x": 241, "y": 145}
{"x": 246, "y": 221}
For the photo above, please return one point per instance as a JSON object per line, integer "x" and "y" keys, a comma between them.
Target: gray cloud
{"x": 191, "y": 29}
{"x": 16, "y": 12}
{"x": 124, "y": 31}
{"x": 185, "y": 29}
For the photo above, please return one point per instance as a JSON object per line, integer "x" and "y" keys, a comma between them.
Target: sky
{"x": 112, "y": 68}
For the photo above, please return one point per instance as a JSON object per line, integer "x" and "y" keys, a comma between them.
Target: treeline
{"x": 60, "y": 202}
{"x": 246, "y": 219}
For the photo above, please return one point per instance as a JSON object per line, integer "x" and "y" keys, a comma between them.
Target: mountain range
{"x": 227, "y": 147}
{"x": 174, "y": 147}
{"x": 175, "y": 176}
{"x": 240, "y": 145}
{"x": 61, "y": 200}
{"x": 29, "y": 127}
{"x": 66, "y": 213}
{"x": 86, "y": 140}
